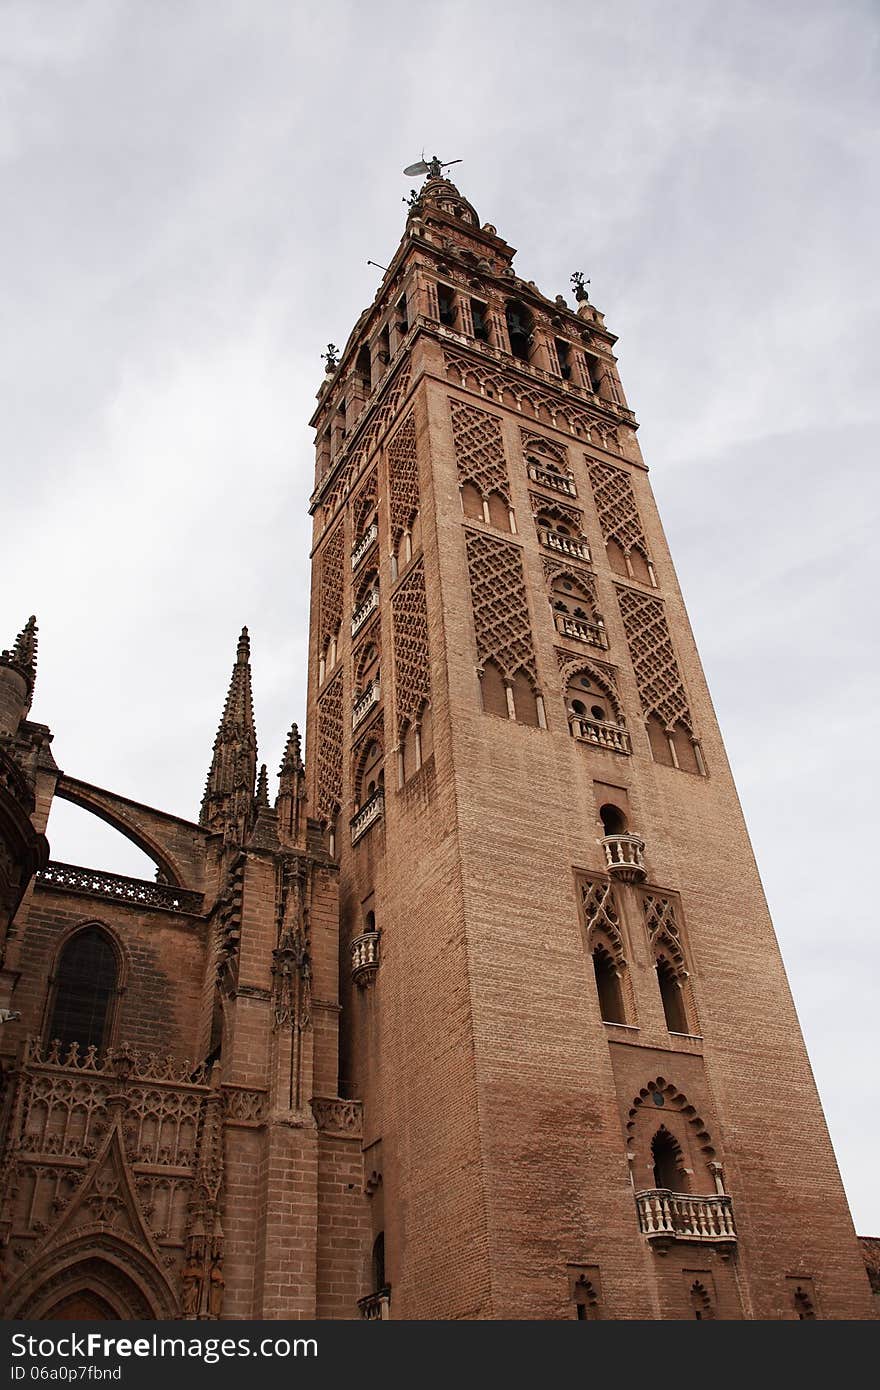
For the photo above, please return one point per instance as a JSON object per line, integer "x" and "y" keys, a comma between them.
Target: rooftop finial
{"x": 262, "y": 797}
{"x": 230, "y": 786}
{"x": 330, "y": 358}
{"x": 579, "y": 285}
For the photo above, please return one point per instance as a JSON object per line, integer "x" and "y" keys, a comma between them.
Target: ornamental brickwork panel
{"x": 412, "y": 671}
{"x": 616, "y": 505}
{"x": 403, "y": 477}
{"x": 661, "y": 690}
{"x": 600, "y": 914}
{"x": 549, "y": 407}
{"x": 479, "y": 449}
{"x": 373, "y": 431}
{"x": 332, "y": 563}
{"x": 548, "y": 448}
{"x": 364, "y": 505}
{"x": 330, "y": 749}
{"x": 501, "y": 611}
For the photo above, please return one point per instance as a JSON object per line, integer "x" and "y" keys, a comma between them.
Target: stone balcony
{"x": 573, "y": 546}
{"x": 625, "y": 857}
{"x": 559, "y": 482}
{"x": 376, "y": 1307}
{"x": 369, "y": 605}
{"x": 365, "y": 958}
{"x": 600, "y": 733}
{"x": 581, "y": 630}
{"x": 371, "y": 811}
{"x": 365, "y": 544}
{"x": 666, "y": 1216}
{"x": 366, "y": 701}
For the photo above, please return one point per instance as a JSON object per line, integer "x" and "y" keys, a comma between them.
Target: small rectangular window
{"x": 446, "y": 305}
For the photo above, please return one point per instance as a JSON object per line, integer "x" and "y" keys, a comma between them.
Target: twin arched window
{"x": 84, "y": 991}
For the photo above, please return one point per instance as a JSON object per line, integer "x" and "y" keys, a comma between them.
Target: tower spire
{"x": 18, "y": 674}
{"x": 291, "y": 789}
{"x": 227, "y": 805}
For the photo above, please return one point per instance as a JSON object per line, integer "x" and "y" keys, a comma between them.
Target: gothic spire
{"x": 291, "y": 789}
{"x": 262, "y": 797}
{"x": 23, "y": 653}
{"x": 227, "y": 805}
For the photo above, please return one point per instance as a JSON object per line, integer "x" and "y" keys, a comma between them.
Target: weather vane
{"x": 331, "y": 357}
{"x": 433, "y": 166}
{"x": 579, "y": 285}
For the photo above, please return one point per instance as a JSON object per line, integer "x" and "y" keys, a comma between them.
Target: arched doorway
{"x": 85, "y": 1306}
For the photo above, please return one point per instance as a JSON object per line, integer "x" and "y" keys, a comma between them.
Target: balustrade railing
{"x": 365, "y": 957}
{"x": 559, "y": 482}
{"x": 667, "y": 1216}
{"x": 364, "y": 544}
{"x": 370, "y": 812}
{"x": 601, "y": 733}
{"x": 581, "y": 630}
{"x": 369, "y": 605}
{"x": 364, "y": 703}
{"x": 376, "y": 1307}
{"x": 563, "y": 545}
{"x": 625, "y": 857}
{"x": 139, "y": 892}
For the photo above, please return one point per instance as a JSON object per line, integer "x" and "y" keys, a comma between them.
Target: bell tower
{"x": 585, "y": 1089}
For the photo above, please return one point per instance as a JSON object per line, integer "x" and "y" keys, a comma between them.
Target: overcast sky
{"x": 191, "y": 192}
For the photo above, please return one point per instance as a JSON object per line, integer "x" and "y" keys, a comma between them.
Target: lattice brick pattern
{"x": 663, "y": 927}
{"x": 364, "y": 505}
{"x": 332, "y": 562}
{"x": 548, "y": 407}
{"x": 657, "y": 675}
{"x": 550, "y": 507}
{"x": 501, "y": 612}
{"x": 600, "y": 912}
{"x": 330, "y": 749}
{"x": 479, "y": 449}
{"x": 616, "y": 504}
{"x": 543, "y": 447}
{"x": 584, "y": 577}
{"x": 373, "y": 431}
{"x": 403, "y": 477}
{"x": 412, "y": 672}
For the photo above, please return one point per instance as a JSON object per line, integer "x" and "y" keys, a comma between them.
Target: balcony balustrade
{"x": 365, "y": 958}
{"x": 97, "y": 883}
{"x": 376, "y": 1307}
{"x": 667, "y": 1216}
{"x": 581, "y": 630}
{"x": 601, "y": 733}
{"x": 564, "y": 545}
{"x": 365, "y": 544}
{"x": 364, "y": 703}
{"x": 625, "y": 857}
{"x": 372, "y": 811}
{"x": 369, "y": 605}
{"x": 559, "y": 482}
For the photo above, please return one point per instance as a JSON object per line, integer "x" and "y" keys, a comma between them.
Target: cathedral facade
{"x": 482, "y": 1016}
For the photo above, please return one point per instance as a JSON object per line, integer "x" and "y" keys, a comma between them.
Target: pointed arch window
{"x": 84, "y": 991}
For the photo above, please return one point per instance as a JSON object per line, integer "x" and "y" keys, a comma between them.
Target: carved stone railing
{"x": 369, "y": 605}
{"x": 121, "y": 1062}
{"x": 370, "y": 812}
{"x": 559, "y": 482}
{"x": 364, "y": 545}
{"x": 138, "y": 892}
{"x": 336, "y": 1116}
{"x": 563, "y": 545}
{"x": 625, "y": 857}
{"x": 376, "y": 1307}
{"x": 365, "y": 958}
{"x": 601, "y": 733}
{"x": 364, "y": 703}
{"x": 666, "y": 1216}
{"x": 581, "y": 630}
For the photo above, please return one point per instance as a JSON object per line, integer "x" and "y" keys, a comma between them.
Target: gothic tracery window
{"x": 84, "y": 990}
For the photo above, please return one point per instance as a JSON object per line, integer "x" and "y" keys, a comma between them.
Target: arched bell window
{"x": 84, "y": 991}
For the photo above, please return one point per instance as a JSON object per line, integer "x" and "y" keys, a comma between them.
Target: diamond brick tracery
{"x": 501, "y": 613}
{"x": 403, "y": 477}
{"x": 331, "y": 586}
{"x": 616, "y": 506}
{"x": 330, "y": 749}
{"x": 657, "y": 675}
{"x": 479, "y": 449}
{"x": 412, "y": 674}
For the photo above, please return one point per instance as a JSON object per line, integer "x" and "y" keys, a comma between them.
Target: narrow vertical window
{"x": 85, "y": 987}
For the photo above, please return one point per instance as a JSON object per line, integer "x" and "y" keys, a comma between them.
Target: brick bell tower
{"x": 585, "y": 1088}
